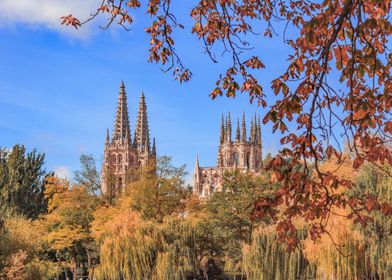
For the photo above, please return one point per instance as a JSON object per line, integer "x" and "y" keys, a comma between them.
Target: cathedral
{"x": 243, "y": 153}
{"x": 122, "y": 154}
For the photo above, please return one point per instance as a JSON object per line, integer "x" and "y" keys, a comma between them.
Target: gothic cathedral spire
{"x": 222, "y": 131}
{"x": 243, "y": 128}
{"x": 107, "y": 140}
{"x": 237, "y": 132}
{"x": 154, "y": 149}
{"x": 142, "y": 137}
{"x": 244, "y": 154}
{"x": 121, "y": 124}
{"x": 228, "y": 128}
{"x": 120, "y": 154}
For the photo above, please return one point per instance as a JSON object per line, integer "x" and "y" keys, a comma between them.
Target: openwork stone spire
{"x": 255, "y": 129}
{"x": 107, "y": 137}
{"x": 228, "y": 129}
{"x": 244, "y": 153}
{"x": 121, "y": 124}
{"x": 237, "y": 132}
{"x": 222, "y": 131}
{"x": 259, "y": 130}
{"x": 154, "y": 149}
{"x": 243, "y": 128}
{"x": 251, "y": 137}
{"x": 142, "y": 137}
{"x": 120, "y": 154}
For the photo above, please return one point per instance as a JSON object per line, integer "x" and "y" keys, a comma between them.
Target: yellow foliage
{"x": 70, "y": 212}
{"x": 20, "y": 241}
{"x": 343, "y": 169}
{"x": 113, "y": 220}
{"x": 19, "y": 233}
{"x": 337, "y": 255}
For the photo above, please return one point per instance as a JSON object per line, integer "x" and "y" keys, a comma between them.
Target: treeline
{"x": 157, "y": 229}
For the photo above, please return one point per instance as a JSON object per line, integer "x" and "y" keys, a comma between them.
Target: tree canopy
{"x": 335, "y": 89}
{"x": 22, "y": 177}
{"x": 157, "y": 229}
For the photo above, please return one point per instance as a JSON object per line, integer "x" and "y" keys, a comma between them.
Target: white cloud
{"x": 63, "y": 172}
{"x": 46, "y": 13}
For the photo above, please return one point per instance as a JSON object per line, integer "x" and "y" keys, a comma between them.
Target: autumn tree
{"x": 22, "y": 182}
{"x": 336, "y": 86}
{"x": 146, "y": 233}
{"x": 67, "y": 224}
{"x": 159, "y": 191}
{"x": 374, "y": 186}
{"x": 265, "y": 259}
{"x": 21, "y": 251}
{"x": 133, "y": 248}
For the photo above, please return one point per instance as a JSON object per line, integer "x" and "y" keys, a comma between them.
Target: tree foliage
{"x": 20, "y": 251}
{"x": 159, "y": 191}
{"x": 156, "y": 229}
{"x": 22, "y": 182}
{"x": 336, "y": 86}
{"x": 137, "y": 249}
{"x": 67, "y": 224}
{"x": 265, "y": 258}
{"x": 228, "y": 213}
{"x": 88, "y": 175}
{"x": 144, "y": 235}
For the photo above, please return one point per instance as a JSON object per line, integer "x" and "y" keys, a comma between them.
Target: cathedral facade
{"x": 124, "y": 154}
{"x": 242, "y": 153}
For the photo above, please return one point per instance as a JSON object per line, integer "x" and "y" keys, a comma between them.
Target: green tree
{"x": 374, "y": 185}
{"x": 88, "y": 176}
{"x": 133, "y": 248}
{"x": 159, "y": 191}
{"x": 266, "y": 259}
{"x": 229, "y": 213}
{"x": 22, "y": 182}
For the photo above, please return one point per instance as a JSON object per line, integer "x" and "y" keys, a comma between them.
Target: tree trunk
{"x": 88, "y": 262}
{"x": 75, "y": 264}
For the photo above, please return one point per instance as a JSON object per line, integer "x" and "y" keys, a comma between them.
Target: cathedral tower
{"x": 244, "y": 154}
{"x": 121, "y": 156}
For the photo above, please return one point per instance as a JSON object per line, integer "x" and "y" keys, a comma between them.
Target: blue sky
{"x": 58, "y": 87}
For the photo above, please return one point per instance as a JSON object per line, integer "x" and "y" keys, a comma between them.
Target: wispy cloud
{"x": 63, "y": 172}
{"x": 45, "y": 13}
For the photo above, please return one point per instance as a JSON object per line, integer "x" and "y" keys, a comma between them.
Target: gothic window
{"x": 113, "y": 160}
{"x": 236, "y": 159}
{"x": 247, "y": 160}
